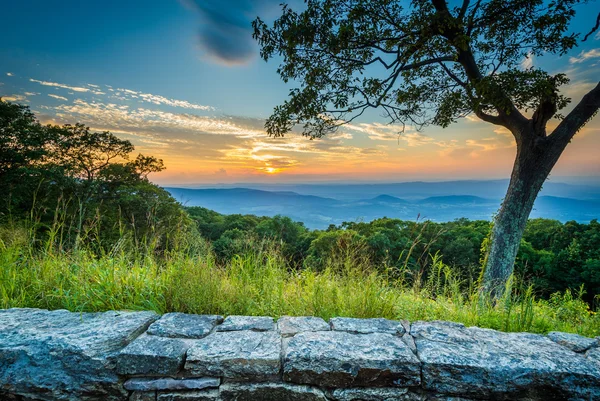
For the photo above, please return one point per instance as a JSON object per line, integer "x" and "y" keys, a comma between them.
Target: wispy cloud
{"x": 585, "y": 55}
{"x": 157, "y": 99}
{"x": 14, "y": 98}
{"x": 57, "y": 97}
{"x": 10, "y": 74}
{"x": 80, "y": 89}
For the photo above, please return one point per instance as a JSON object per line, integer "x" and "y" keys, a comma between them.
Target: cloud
{"x": 64, "y": 86}
{"x": 14, "y": 98}
{"x": 225, "y": 34}
{"x": 378, "y": 131}
{"x": 584, "y": 56}
{"x": 124, "y": 94}
{"x": 157, "y": 99}
{"x": 112, "y": 116}
{"x": 527, "y": 62}
{"x": 57, "y": 97}
{"x": 416, "y": 139}
{"x": 10, "y": 74}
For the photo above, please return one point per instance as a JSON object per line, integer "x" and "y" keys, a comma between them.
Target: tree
{"x": 431, "y": 62}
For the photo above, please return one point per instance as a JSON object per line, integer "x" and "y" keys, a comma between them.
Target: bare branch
{"x": 594, "y": 29}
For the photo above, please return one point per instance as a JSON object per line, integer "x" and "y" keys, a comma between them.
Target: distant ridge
{"x": 356, "y": 203}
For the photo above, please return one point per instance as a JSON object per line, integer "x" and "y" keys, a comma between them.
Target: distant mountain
{"x": 488, "y": 189}
{"x": 388, "y": 199}
{"x": 456, "y": 200}
{"x": 319, "y": 212}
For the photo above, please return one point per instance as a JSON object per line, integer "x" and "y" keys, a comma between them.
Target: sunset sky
{"x": 183, "y": 81}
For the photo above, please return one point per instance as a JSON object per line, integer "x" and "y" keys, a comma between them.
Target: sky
{"x": 182, "y": 80}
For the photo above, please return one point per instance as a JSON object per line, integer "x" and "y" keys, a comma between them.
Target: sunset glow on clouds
{"x": 198, "y": 100}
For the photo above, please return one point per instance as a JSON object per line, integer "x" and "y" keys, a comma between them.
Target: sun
{"x": 271, "y": 170}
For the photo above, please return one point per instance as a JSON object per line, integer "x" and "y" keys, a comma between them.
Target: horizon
{"x": 183, "y": 82}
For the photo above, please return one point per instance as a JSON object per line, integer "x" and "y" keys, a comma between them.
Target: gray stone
{"x": 574, "y": 342}
{"x": 168, "y": 383}
{"x": 238, "y": 355}
{"x": 143, "y": 396}
{"x": 254, "y": 323}
{"x": 270, "y": 392}
{"x": 483, "y": 363}
{"x": 370, "y": 394}
{"x": 366, "y": 326}
{"x": 206, "y": 395}
{"x": 60, "y": 355}
{"x": 291, "y": 325}
{"x": 152, "y": 355}
{"x": 340, "y": 359}
{"x": 593, "y": 355}
{"x": 183, "y": 325}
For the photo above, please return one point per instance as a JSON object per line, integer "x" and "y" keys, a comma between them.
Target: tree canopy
{"x": 421, "y": 62}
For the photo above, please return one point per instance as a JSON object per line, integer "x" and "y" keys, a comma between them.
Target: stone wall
{"x": 140, "y": 356}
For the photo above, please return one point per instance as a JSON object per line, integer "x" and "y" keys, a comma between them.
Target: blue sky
{"x": 182, "y": 80}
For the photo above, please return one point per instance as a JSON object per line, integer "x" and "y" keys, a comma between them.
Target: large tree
{"x": 432, "y": 62}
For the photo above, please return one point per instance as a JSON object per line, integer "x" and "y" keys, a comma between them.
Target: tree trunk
{"x": 537, "y": 154}
{"x": 534, "y": 161}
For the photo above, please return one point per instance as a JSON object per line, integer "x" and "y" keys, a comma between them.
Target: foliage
{"x": 260, "y": 282}
{"x": 81, "y": 186}
{"x": 553, "y": 256}
{"x": 421, "y": 62}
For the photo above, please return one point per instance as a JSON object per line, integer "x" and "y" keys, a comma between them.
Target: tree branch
{"x": 594, "y": 29}
{"x": 577, "y": 118}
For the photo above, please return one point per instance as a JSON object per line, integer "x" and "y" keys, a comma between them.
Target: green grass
{"x": 260, "y": 283}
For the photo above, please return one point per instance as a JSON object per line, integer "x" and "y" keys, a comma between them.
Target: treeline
{"x": 553, "y": 256}
{"x": 75, "y": 187}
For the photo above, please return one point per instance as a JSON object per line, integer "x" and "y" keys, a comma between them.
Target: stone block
{"x": 242, "y": 323}
{"x": 236, "y": 355}
{"x": 183, "y": 325}
{"x": 169, "y": 383}
{"x": 366, "y": 326}
{"x": 341, "y": 359}
{"x": 153, "y": 356}
{"x": 483, "y": 363}
{"x": 291, "y": 325}
{"x": 270, "y": 392}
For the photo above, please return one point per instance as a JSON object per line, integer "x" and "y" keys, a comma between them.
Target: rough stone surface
{"x": 340, "y": 359}
{"x": 484, "y": 363}
{"x": 60, "y": 355}
{"x": 594, "y": 355}
{"x": 291, "y": 325}
{"x": 254, "y": 323}
{"x": 270, "y": 392}
{"x": 168, "y": 383}
{"x": 152, "y": 355}
{"x": 68, "y": 356}
{"x": 237, "y": 355}
{"x": 370, "y": 394}
{"x": 574, "y": 342}
{"x": 183, "y": 325}
{"x": 205, "y": 395}
{"x": 366, "y": 326}
{"x": 143, "y": 396}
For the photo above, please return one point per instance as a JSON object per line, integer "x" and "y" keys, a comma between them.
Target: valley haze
{"x": 319, "y": 205}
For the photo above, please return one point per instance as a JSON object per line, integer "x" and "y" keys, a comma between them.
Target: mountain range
{"x": 318, "y": 206}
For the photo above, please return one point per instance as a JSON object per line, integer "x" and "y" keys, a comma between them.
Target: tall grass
{"x": 188, "y": 279}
